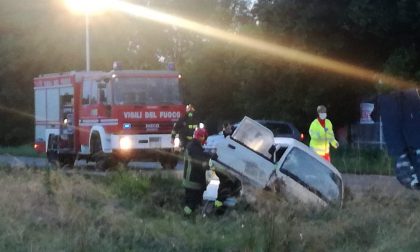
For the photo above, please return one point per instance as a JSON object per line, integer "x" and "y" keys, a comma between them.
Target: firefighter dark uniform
{"x": 185, "y": 126}
{"x": 195, "y": 166}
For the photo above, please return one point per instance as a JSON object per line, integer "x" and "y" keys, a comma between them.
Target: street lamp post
{"x": 88, "y": 7}
{"x": 87, "y": 40}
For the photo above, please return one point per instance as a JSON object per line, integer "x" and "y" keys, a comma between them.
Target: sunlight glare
{"x": 272, "y": 49}
{"x": 88, "y": 6}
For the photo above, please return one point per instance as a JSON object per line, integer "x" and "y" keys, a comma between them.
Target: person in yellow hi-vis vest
{"x": 322, "y": 134}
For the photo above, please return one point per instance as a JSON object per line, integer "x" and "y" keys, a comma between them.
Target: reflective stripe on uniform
{"x": 187, "y": 183}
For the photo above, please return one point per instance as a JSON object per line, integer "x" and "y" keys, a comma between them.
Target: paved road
{"x": 22, "y": 162}
{"x": 357, "y": 184}
{"x": 386, "y": 186}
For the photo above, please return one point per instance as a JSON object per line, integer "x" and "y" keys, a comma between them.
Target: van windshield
{"x": 315, "y": 176}
{"x": 146, "y": 91}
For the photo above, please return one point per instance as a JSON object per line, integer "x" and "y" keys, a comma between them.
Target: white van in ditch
{"x": 253, "y": 156}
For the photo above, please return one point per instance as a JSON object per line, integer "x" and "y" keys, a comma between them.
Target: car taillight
{"x": 302, "y": 137}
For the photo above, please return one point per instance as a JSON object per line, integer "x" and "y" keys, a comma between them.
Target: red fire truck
{"x": 103, "y": 117}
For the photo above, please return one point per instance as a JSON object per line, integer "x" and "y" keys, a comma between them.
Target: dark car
{"x": 282, "y": 129}
{"x": 279, "y": 129}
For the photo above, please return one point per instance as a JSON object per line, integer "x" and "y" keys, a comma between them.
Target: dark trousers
{"x": 193, "y": 198}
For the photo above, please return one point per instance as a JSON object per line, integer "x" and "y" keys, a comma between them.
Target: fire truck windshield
{"x": 146, "y": 91}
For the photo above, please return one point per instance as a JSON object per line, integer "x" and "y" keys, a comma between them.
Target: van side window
{"x": 94, "y": 93}
{"x": 279, "y": 153}
{"x": 86, "y": 92}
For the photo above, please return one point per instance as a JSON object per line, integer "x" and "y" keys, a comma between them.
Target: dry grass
{"x": 51, "y": 211}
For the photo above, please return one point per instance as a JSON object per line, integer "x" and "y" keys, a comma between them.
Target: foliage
{"x": 23, "y": 150}
{"x": 362, "y": 161}
{"x": 225, "y": 81}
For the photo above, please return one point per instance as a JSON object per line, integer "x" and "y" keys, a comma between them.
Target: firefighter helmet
{"x": 200, "y": 134}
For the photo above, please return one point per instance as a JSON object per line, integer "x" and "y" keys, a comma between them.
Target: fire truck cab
{"x": 121, "y": 115}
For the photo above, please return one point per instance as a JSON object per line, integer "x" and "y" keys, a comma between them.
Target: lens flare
{"x": 272, "y": 49}
{"x": 88, "y": 6}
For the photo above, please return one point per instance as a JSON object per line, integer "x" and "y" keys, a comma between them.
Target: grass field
{"x": 46, "y": 210}
{"x": 362, "y": 161}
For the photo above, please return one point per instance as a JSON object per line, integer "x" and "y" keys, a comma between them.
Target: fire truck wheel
{"x": 102, "y": 160}
{"x": 168, "y": 162}
{"x": 53, "y": 159}
{"x": 105, "y": 162}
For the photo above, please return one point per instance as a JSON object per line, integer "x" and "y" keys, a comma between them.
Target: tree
{"x": 225, "y": 81}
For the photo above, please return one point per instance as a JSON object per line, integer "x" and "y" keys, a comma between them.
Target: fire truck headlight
{"x": 177, "y": 142}
{"x": 125, "y": 143}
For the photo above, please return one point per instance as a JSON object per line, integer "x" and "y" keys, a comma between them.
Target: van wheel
{"x": 103, "y": 161}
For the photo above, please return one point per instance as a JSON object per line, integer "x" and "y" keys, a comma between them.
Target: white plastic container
{"x": 365, "y": 113}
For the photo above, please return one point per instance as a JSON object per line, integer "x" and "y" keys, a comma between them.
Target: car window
{"x": 312, "y": 174}
{"x": 255, "y": 136}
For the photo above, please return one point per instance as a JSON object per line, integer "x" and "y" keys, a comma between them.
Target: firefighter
{"x": 195, "y": 166}
{"x": 322, "y": 134}
{"x": 227, "y": 129}
{"x": 185, "y": 126}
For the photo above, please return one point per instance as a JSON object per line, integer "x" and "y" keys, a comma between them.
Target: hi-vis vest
{"x": 321, "y": 138}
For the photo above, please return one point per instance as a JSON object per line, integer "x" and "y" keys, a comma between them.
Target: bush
{"x": 362, "y": 161}
{"x": 150, "y": 195}
{"x": 22, "y": 150}
{"x": 129, "y": 186}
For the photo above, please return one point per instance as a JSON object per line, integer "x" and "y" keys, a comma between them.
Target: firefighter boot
{"x": 220, "y": 208}
{"x": 187, "y": 211}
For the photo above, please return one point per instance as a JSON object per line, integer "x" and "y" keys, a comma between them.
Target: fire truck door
{"x": 67, "y": 121}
